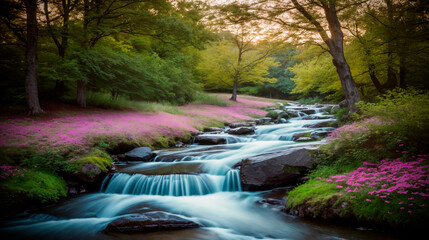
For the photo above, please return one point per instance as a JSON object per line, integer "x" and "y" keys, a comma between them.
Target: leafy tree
{"x": 284, "y": 84}
{"x": 225, "y": 64}
{"x": 320, "y": 17}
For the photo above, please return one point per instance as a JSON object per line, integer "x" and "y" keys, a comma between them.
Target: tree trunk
{"x": 33, "y": 105}
{"x": 81, "y": 85}
{"x": 81, "y": 93}
{"x": 402, "y": 71}
{"x": 335, "y": 44}
{"x": 391, "y": 75}
{"x": 234, "y": 91}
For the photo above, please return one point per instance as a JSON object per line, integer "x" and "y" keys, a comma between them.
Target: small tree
{"x": 227, "y": 64}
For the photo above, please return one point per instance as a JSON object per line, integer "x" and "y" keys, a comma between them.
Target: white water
{"x": 209, "y": 194}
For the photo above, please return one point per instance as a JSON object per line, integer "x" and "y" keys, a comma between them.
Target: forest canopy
{"x": 166, "y": 51}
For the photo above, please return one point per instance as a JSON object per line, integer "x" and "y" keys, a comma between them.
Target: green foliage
{"x": 249, "y": 90}
{"x": 97, "y": 157}
{"x": 284, "y": 85}
{"x": 220, "y": 67}
{"x": 310, "y": 101}
{"x": 209, "y": 99}
{"x": 33, "y": 185}
{"x": 341, "y": 114}
{"x": 408, "y": 113}
{"x": 48, "y": 161}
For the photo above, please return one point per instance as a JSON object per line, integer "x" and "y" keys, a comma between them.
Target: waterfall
{"x": 171, "y": 185}
{"x": 232, "y": 181}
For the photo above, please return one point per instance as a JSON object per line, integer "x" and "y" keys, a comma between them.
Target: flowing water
{"x": 198, "y": 183}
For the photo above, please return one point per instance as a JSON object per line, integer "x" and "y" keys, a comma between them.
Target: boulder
{"x": 241, "y": 131}
{"x": 305, "y": 139}
{"x": 270, "y": 170}
{"x": 292, "y": 113}
{"x": 213, "y": 129}
{"x": 321, "y": 133}
{"x": 283, "y": 120}
{"x": 138, "y": 154}
{"x": 308, "y": 111}
{"x": 149, "y": 222}
{"x": 209, "y": 139}
{"x": 322, "y": 124}
{"x": 262, "y": 120}
{"x": 238, "y": 124}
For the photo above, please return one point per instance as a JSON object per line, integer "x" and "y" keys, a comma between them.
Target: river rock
{"x": 305, "y": 139}
{"x": 322, "y": 124}
{"x": 238, "y": 124}
{"x": 262, "y": 120}
{"x": 308, "y": 111}
{"x": 213, "y": 129}
{"x": 321, "y": 133}
{"x": 274, "y": 169}
{"x": 241, "y": 131}
{"x": 150, "y": 222}
{"x": 292, "y": 113}
{"x": 209, "y": 140}
{"x": 138, "y": 154}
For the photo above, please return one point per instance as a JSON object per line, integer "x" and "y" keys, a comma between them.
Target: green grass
{"x": 209, "y": 99}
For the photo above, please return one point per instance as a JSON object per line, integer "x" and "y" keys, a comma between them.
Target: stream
{"x": 196, "y": 182}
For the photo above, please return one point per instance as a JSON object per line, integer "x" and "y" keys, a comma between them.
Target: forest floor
{"x": 64, "y": 124}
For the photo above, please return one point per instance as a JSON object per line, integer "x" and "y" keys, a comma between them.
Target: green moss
{"x": 97, "y": 157}
{"x": 41, "y": 187}
{"x": 313, "y": 192}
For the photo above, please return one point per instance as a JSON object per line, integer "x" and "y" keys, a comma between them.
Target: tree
{"x": 230, "y": 64}
{"x": 284, "y": 85}
{"x": 57, "y": 15}
{"x": 319, "y": 16}
{"x": 33, "y": 105}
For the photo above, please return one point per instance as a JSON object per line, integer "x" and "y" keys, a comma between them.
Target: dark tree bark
{"x": 31, "y": 90}
{"x": 81, "y": 93}
{"x": 392, "y": 81}
{"x": 335, "y": 45}
{"x": 234, "y": 91}
{"x": 82, "y": 85}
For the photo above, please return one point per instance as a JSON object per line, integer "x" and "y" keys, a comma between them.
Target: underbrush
{"x": 207, "y": 99}
{"x": 377, "y": 164}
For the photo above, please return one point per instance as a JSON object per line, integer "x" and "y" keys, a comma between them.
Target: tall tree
{"x": 57, "y": 15}
{"x": 319, "y": 16}
{"x": 31, "y": 89}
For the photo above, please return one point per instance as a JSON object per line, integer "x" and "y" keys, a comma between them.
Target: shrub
{"x": 31, "y": 185}
{"x": 309, "y": 101}
{"x": 204, "y": 98}
{"x": 408, "y": 113}
{"x": 48, "y": 161}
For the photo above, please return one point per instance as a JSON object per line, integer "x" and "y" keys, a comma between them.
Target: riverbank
{"x": 374, "y": 171}
{"x": 43, "y": 157}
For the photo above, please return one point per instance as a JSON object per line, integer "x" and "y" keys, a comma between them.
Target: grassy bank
{"x": 60, "y": 143}
{"x": 375, "y": 170}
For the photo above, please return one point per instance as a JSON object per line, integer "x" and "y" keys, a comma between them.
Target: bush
{"x": 406, "y": 111}
{"x": 309, "y": 101}
{"x": 32, "y": 185}
{"x": 204, "y": 98}
{"x": 48, "y": 161}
